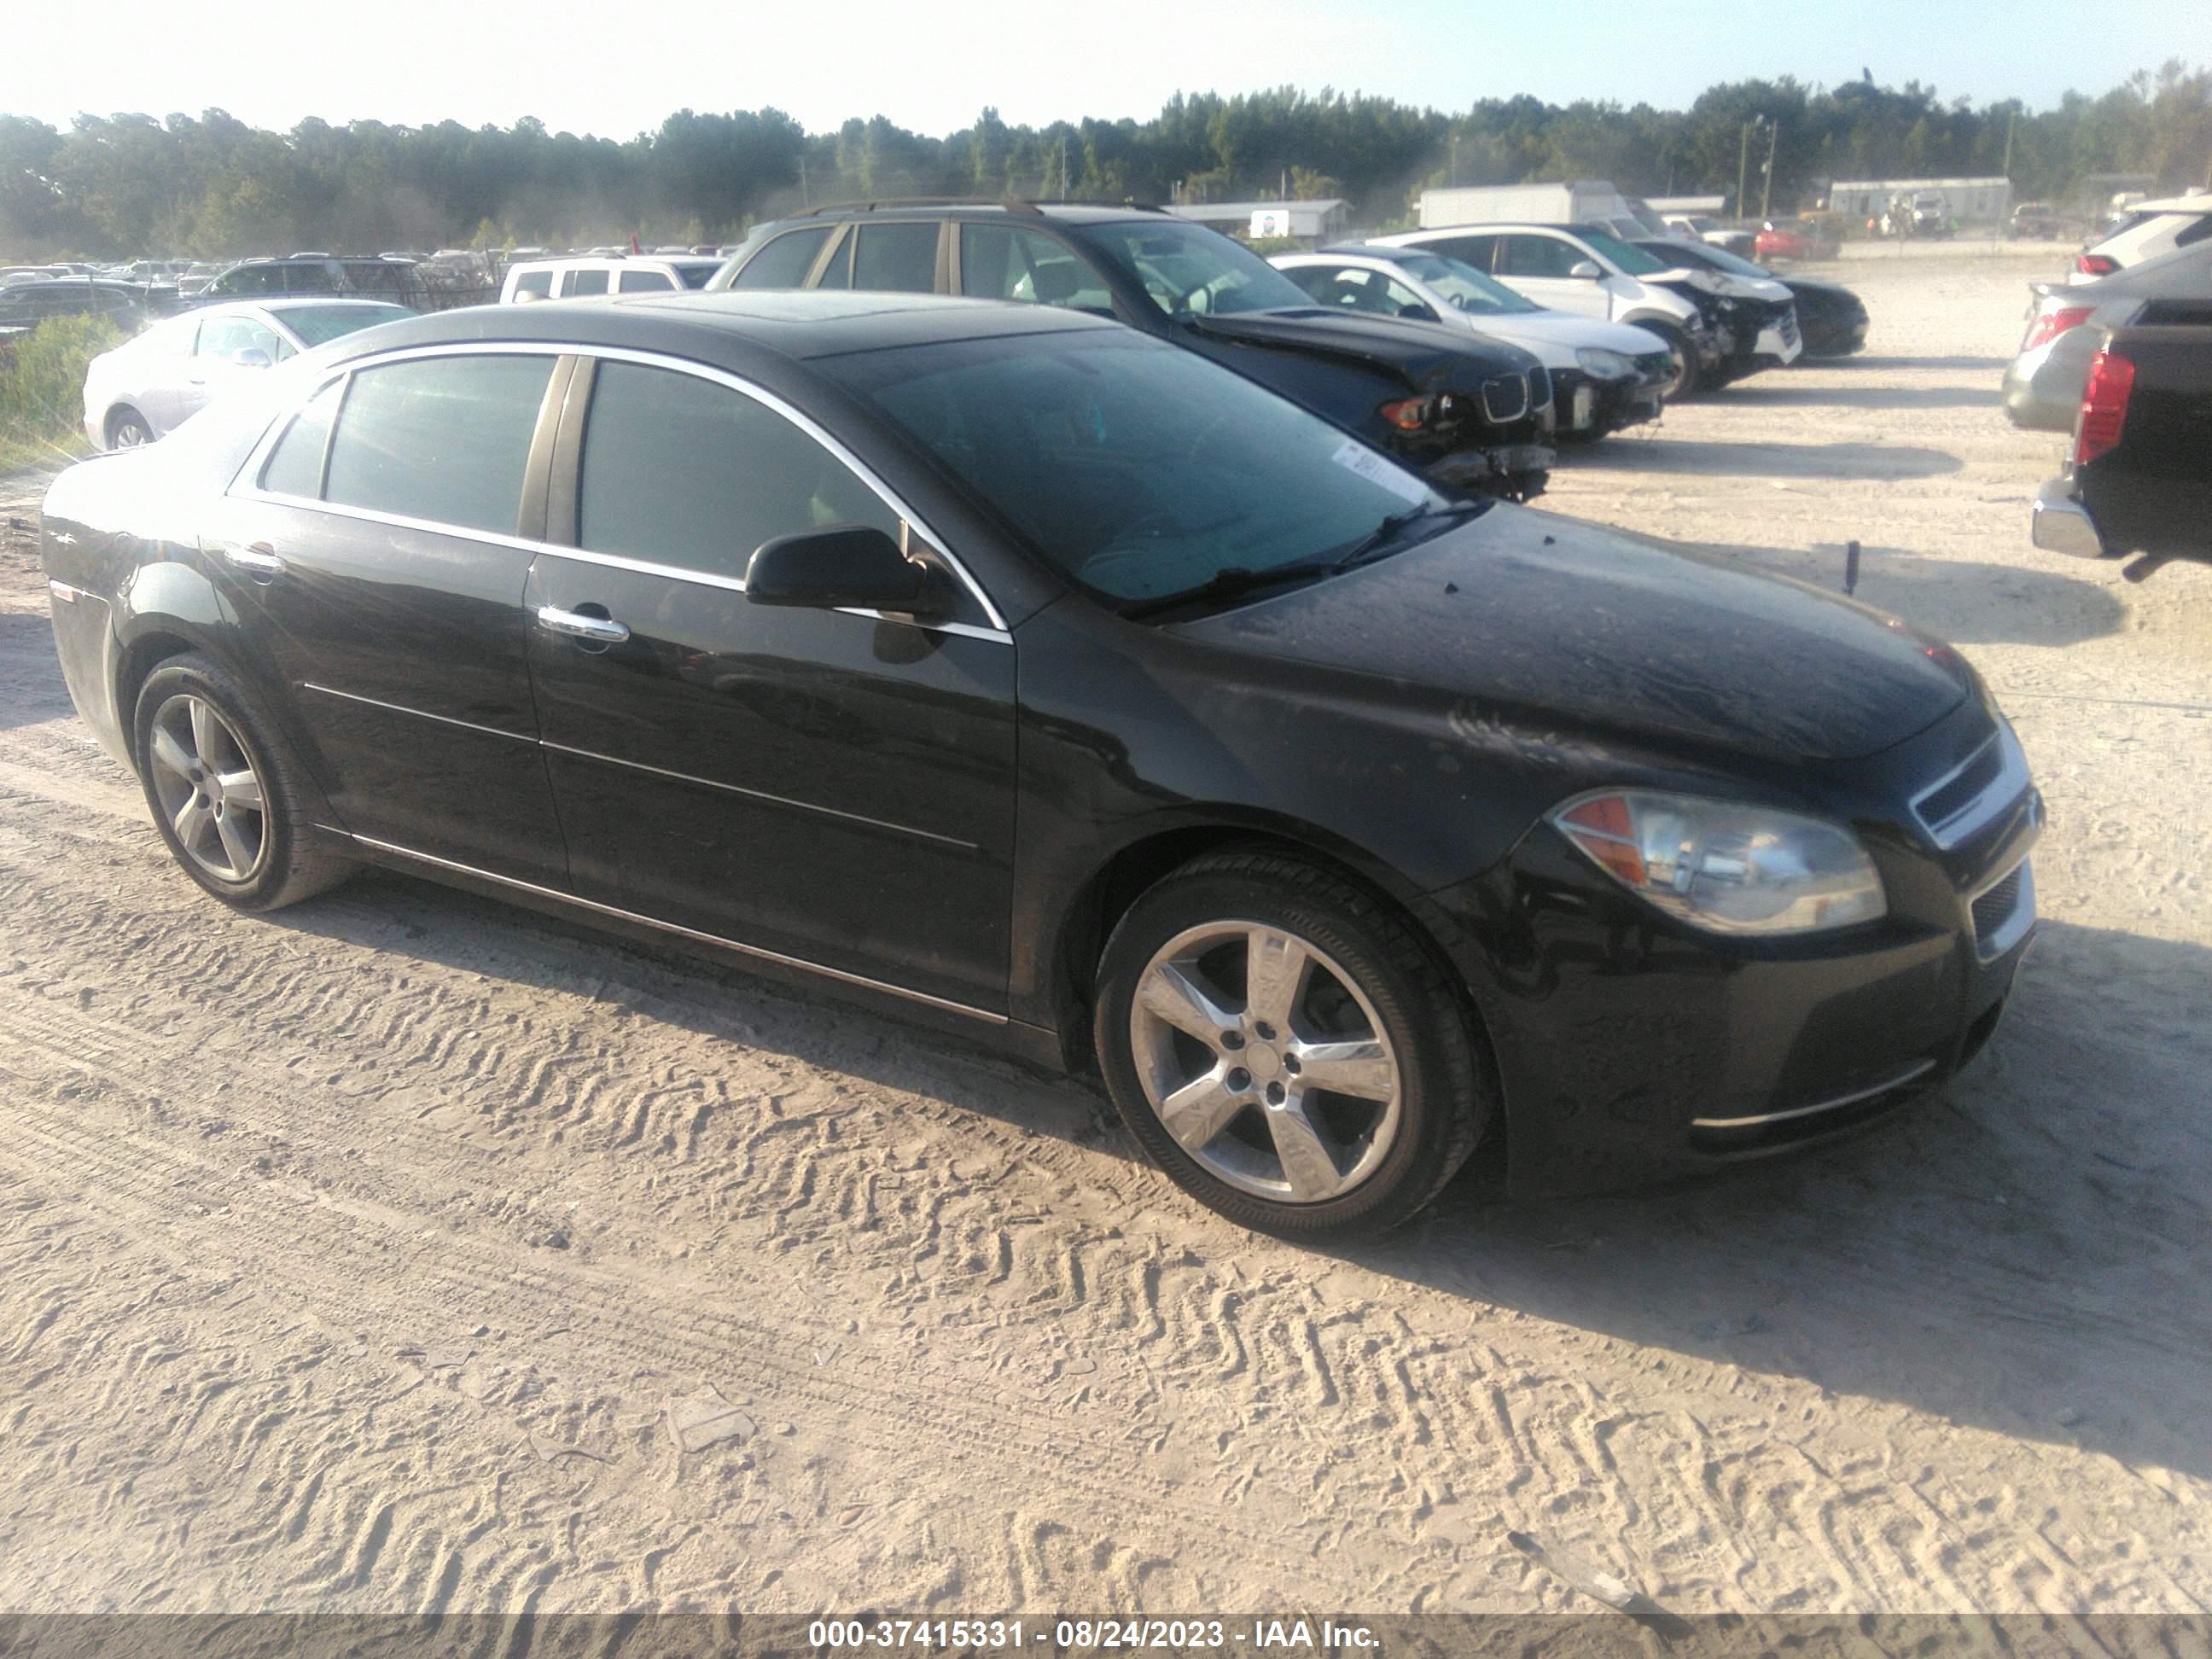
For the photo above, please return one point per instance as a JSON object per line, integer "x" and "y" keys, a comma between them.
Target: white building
{"x": 1970, "y": 201}
{"x": 1308, "y": 221}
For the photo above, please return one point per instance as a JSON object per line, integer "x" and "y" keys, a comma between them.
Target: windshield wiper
{"x": 1234, "y": 580}
{"x": 1370, "y": 545}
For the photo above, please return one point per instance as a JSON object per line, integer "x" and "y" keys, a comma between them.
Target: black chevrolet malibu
{"x": 1012, "y": 669}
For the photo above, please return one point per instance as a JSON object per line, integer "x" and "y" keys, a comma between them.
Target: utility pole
{"x": 802, "y": 179}
{"x": 1743, "y": 163}
{"x": 1766, "y": 194}
{"x": 1063, "y": 166}
{"x": 2011, "y": 126}
{"x": 1454, "y": 173}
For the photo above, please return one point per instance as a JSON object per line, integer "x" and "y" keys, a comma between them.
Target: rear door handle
{"x": 257, "y": 559}
{"x": 603, "y": 631}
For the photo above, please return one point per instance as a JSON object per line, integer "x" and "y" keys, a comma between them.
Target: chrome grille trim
{"x": 1961, "y": 821}
{"x": 1505, "y": 396}
{"x": 1911, "y": 1073}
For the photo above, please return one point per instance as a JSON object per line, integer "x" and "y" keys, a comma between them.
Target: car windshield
{"x": 1189, "y": 270}
{"x": 319, "y": 325}
{"x": 1137, "y": 469}
{"x": 696, "y": 273}
{"x": 1625, "y": 256}
{"x": 1466, "y": 287}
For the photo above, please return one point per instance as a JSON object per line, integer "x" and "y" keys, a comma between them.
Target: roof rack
{"x": 895, "y": 202}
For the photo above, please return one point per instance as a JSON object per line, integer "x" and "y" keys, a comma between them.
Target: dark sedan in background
{"x": 1474, "y": 416}
{"x": 1832, "y": 320}
{"x": 1014, "y": 669}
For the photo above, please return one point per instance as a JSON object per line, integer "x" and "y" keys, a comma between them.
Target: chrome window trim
{"x": 738, "y": 946}
{"x": 419, "y": 713}
{"x": 248, "y": 483}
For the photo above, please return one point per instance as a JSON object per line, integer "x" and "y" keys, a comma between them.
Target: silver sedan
{"x": 149, "y": 384}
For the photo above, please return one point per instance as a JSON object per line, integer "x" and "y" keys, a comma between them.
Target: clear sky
{"x": 617, "y": 67}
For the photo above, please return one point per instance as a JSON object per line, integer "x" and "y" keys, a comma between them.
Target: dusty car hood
{"x": 1429, "y": 354}
{"x": 1555, "y": 335}
{"x": 1551, "y": 616}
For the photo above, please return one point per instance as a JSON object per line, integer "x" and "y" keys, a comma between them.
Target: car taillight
{"x": 2095, "y": 264}
{"x": 2048, "y": 326}
{"x": 2104, "y": 406}
{"x": 1407, "y": 414}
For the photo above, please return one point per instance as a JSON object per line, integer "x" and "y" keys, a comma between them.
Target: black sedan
{"x": 1010, "y": 668}
{"x": 1830, "y": 319}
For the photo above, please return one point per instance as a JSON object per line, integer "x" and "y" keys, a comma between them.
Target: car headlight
{"x": 1603, "y": 365}
{"x": 1725, "y": 866}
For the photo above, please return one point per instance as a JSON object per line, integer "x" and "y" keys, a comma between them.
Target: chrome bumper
{"x": 2059, "y": 524}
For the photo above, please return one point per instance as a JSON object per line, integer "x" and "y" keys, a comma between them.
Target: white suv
{"x": 1563, "y": 268}
{"x": 576, "y": 279}
{"x": 2148, "y": 229}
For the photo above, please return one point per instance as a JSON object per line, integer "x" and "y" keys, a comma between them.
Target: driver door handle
{"x": 603, "y": 631}
{"x": 256, "y": 559}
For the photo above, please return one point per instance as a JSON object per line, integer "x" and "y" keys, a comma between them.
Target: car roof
{"x": 1070, "y": 213}
{"x": 793, "y": 323}
{"x": 2199, "y": 203}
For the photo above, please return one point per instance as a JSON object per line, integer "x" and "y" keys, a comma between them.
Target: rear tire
{"x": 127, "y": 429}
{"x": 1327, "y": 1097}
{"x": 224, "y": 789}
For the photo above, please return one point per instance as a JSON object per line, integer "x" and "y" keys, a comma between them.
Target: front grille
{"x": 1994, "y": 907}
{"x": 2004, "y": 911}
{"x": 1789, "y": 325}
{"x": 1990, "y": 781}
{"x": 1505, "y": 397}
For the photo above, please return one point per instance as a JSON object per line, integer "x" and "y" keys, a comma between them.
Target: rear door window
{"x": 539, "y": 282}
{"x": 581, "y": 282}
{"x": 784, "y": 261}
{"x": 445, "y": 439}
{"x": 645, "y": 282}
{"x": 295, "y": 465}
{"x": 900, "y": 258}
{"x": 1476, "y": 251}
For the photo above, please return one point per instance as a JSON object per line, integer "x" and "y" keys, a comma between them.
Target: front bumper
{"x": 1629, "y": 1048}
{"x": 1517, "y": 469}
{"x": 2059, "y": 524}
{"x": 1592, "y": 408}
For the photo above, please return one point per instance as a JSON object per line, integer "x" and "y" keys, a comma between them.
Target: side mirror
{"x": 1586, "y": 271}
{"x": 844, "y": 566}
{"x": 1418, "y": 313}
{"x": 249, "y": 357}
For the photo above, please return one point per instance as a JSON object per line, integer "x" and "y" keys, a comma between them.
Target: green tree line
{"x": 210, "y": 184}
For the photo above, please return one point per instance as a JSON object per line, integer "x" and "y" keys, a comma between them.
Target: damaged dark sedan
{"x": 1474, "y": 415}
{"x": 1021, "y": 672}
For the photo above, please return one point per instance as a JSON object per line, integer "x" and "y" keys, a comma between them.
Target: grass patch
{"x": 42, "y": 390}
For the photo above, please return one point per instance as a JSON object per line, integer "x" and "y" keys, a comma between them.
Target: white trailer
{"x": 1587, "y": 201}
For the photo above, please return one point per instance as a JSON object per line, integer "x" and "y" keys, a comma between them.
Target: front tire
{"x": 127, "y": 429}
{"x": 1286, "y": 1049}
{"x": 1685, "y": 380}
{"x": 224, "y": 790}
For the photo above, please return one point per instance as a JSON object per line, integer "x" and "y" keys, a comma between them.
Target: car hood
{"x": 1554, "y": 336}
{"x": 1429, "y": 354}
{"x": 1540, "y": 618}
{"x": 1812, "y": 288}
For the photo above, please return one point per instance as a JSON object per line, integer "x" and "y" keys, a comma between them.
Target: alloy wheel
{"x": 210, "y": 790}
{"x": 130, "y": 433}
{"x": 1265, "y": 1061}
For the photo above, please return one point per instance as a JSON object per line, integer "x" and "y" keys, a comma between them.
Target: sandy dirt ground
{"x": 406, "y": 1253}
